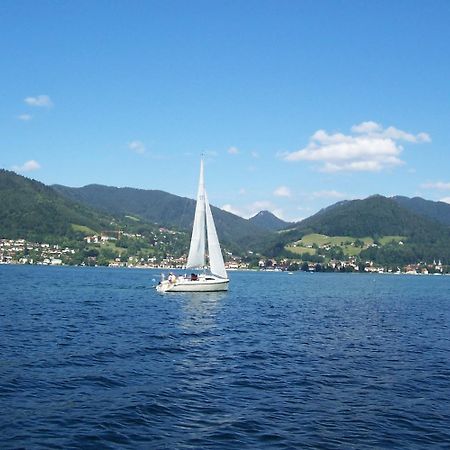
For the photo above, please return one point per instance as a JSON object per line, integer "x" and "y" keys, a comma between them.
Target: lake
{"x": 96, "y": 358}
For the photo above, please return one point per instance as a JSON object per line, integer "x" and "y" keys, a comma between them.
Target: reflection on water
{"x": 198, "y": 366}
{"x": 199, "y": 310}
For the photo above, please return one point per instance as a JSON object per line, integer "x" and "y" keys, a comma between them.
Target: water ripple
{"x": 94, "y": 358}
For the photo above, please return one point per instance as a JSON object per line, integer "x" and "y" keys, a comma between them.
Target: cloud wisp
{"x": 282, "y": 191}
{"x": 332, "y": 194}
{"x": 28, "y": 166}
{"x": 137, "y": 147}
{"x": 439, "y": 185}
{"x": 24, "y": 117}
{"x": 369, "y": 148}
{"x": 43, "y": 101}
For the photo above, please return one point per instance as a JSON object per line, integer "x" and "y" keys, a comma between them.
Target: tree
{"x": 91, "y": 253}
{"x": 359, "y": 243}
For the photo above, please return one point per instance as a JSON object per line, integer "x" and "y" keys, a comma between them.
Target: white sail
{"x": 196, "y": 257}
{"x": 203, "y": 224}
{"x": 217, "y": 266}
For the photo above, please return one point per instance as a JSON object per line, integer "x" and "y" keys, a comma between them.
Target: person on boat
{"x": 172, "y": 278}
{"x": 194, "y": 277}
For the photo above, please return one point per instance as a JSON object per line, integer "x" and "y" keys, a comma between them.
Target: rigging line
{"x": 189, "y": 201}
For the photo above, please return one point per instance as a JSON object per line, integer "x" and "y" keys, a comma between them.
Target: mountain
{"x": 439, "y": 211}
{"x": 32, "y": 210}
{"x": 375, "y": 215}
{"x": 268, "y": 221}
{"x": 166, "y": 209}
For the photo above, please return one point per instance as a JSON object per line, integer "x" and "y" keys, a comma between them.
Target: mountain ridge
{"x": 378, "y": 216}
{"x": 267, "y": 220}
{"x": 374, "y": 215}
{"x": 437, "y": 210}
{"x": 33, "y": 210}
{"x": 166, "y": 209}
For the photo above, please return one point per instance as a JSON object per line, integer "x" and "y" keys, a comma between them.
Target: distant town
{"x": 21, "y": 251}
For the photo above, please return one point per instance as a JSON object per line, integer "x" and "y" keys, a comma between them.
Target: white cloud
{"x": 370, "y": 148}
{"x": 279, "y": 213}
{"x": 137, "y": 147}
{"x": 25, "y": 117}
{"x": 233, "y": 150}
{"x": 231, "y": 209}
{"x": 260, "y": 205}
{"x": 445, "y": 199}
{"x": 328, "y": 194}
{"x": 254, "y": 154}
{"x": 396, "y": 134}
{"x": 252, "y": 209}
{"x": 282, "y": 191}
{"x": 375, "y": 129}
{"x": 28, "y": 166}
{"x": 436, "y": 185}
{"x": 366, "y": 127}
{"x": 39, "y": 100}
{"x": 424, "y": 137}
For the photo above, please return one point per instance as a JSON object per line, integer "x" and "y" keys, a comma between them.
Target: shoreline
{"x": 165, "y": 268}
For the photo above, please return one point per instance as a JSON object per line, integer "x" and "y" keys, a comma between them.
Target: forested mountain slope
{"x": 32, "y": 210}
{"x": 165, "y": 209}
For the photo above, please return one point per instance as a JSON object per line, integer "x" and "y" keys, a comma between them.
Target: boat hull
{"x": 200, "y": 285}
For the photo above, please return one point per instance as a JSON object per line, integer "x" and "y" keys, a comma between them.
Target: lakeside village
{"x": 21, "y": 251}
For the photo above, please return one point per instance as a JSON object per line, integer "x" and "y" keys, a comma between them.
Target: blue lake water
{"x": 95, "y": 358}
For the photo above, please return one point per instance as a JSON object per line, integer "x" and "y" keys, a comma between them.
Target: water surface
{"x": 96, "y": 358}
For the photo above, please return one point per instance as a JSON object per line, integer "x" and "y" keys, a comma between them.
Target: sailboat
{"x": 203, "y": 230}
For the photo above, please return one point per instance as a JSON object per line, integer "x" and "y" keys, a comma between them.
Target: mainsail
{"x": 203, "y": 216}
{"x": 196, "y": 257}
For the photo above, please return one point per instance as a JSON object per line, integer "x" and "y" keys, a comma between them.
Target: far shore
{"x": 180, "y": 269}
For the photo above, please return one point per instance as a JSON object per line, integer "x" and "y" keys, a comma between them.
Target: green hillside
{"x": 370, "y": 229}
{"x": 438, "y": 211}
{"x": 31, "y": 210}
{"x": 375, "y": 217}
{"x": 37, "y": 213}
{"x": 346, "y": 246}
{"x": 166, "y": 210}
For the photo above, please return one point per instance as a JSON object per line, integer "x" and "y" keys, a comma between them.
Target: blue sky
{"x": 296, "y": 104}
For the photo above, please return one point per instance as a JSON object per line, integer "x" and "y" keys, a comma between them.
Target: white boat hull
{"x": 203, "y": 284}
